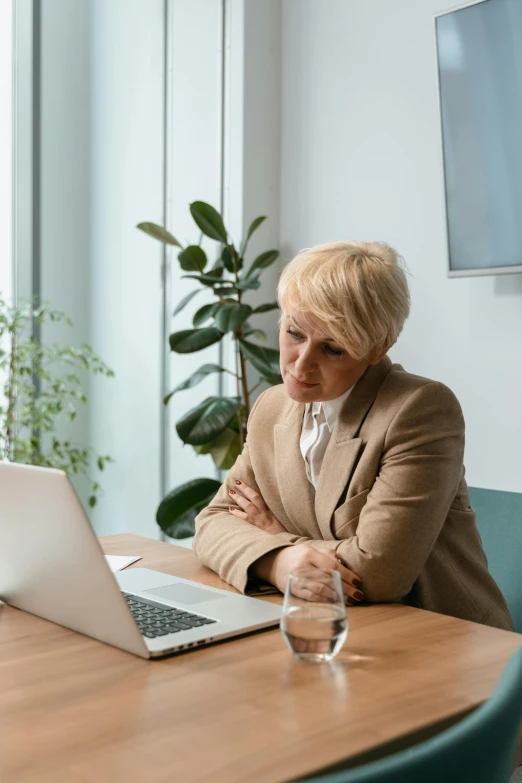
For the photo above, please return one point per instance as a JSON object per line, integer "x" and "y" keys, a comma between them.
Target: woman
{"x": 352, "y": 463}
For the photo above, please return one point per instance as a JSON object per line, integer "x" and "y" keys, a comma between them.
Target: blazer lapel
{"x": 294, "y": 488}
{"x": 343, "y": 449}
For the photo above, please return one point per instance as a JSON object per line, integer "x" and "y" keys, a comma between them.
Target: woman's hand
{"x": 253, "y": 509}
{"x": 314, "y": 562}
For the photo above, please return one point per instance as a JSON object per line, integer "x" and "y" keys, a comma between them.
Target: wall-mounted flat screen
{"x": 479, "y": 50}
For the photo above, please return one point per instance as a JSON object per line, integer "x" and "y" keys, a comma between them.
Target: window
{"x": 6, "y": 148}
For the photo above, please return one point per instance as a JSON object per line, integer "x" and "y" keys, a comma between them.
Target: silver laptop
{"x": 51, "y": 564}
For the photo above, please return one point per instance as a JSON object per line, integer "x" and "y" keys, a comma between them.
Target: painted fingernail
{"x": 238, "y": 481}
{"x": 230, "y": 508}
{"x": 350, "y": 602}
{"x": 357, "y": 583}
{"x": 231, "y": 491}
{"x": 358, "y": 595}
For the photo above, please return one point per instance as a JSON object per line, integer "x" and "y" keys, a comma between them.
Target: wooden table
{"x": 73, "y": 709}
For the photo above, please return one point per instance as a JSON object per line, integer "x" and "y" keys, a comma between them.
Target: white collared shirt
{"x": 318, "y": 423}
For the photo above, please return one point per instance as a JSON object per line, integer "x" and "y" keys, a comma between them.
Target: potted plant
{"x": 42, "y": 387}
{"x": 217, "y": 425}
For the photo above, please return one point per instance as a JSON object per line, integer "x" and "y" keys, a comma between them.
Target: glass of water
{"x": 314, "y": 622}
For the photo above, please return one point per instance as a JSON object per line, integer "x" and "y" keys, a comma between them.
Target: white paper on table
{"x": 119, "y": 562}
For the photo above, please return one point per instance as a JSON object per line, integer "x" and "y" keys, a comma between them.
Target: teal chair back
{"x": 499, "y": 521}
{"x": 481, "y": 748}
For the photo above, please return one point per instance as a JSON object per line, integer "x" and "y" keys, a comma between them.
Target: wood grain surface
{"x": 74, "y": 709}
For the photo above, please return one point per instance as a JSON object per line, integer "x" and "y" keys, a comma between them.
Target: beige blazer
{"x": 391, "y": 497}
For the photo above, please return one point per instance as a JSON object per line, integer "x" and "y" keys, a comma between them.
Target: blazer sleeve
{"x": 229, "y": 545}
{"x": 419, "y": 473}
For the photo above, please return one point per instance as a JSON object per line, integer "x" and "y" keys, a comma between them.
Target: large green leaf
{"x": 225, "y": 449}
{"x": 225, "y": 292}
{"x": 191, "y": 340}
{"x": 248, "y": 282}
{"x": 204, "y": 313}
{"x": 186, "y": 299}
{"x": 192, "y": 259}
{"x": 209, "y": 280}
{"x": 203, "y": 448}
{"x": 227, "y": 259}
{"x": 207, "y": 420}
{"x": 266, "y": 360}
{"x": 253, "y": 226}
{"x": 262, "y": 262}
{"x": 230, "y": 316}
{"x": 209, "y": 220}
{"x": 259, "y": 334}
{"x": 264, "y": 308}
{"x": 195, "y": 378}
{"x": 178, "y": 509}
{"x": 158, "y": 232}
{"x": 217, "y": 268}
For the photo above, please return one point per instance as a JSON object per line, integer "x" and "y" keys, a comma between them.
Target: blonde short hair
{"x": 357, "y": 290}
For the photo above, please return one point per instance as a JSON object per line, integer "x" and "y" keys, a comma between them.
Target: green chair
{"x": 499, "y": 521}
{"x": 479, "y": 749}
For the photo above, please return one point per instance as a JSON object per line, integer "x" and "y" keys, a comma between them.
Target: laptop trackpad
{"x": 185, "y": 594}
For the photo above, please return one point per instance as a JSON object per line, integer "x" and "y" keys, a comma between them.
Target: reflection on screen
{"x": 480, "y": 73}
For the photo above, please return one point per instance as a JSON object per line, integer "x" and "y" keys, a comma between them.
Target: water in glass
{"x": 314, "y": 628}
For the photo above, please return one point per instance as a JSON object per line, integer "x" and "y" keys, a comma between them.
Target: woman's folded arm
{"x": 406, "y": 508}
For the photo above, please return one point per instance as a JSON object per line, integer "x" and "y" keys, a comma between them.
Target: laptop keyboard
{"x": 158, "y": 620}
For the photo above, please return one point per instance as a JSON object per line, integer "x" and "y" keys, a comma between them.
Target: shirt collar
{"x": 330, "y": 408}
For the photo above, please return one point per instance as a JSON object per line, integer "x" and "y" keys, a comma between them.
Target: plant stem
{"x": 244, "y": 384}
{"x": 240, "y": 360}
{"x": 235, "y": 258}
{"x": 238, "y": 389}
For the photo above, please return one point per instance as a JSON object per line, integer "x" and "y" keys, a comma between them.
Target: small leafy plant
{"x": 43, "y": 387}
{"x": 217, "y": 425}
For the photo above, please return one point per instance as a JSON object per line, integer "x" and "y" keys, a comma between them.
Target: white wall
{"x": 361, "y": 158}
